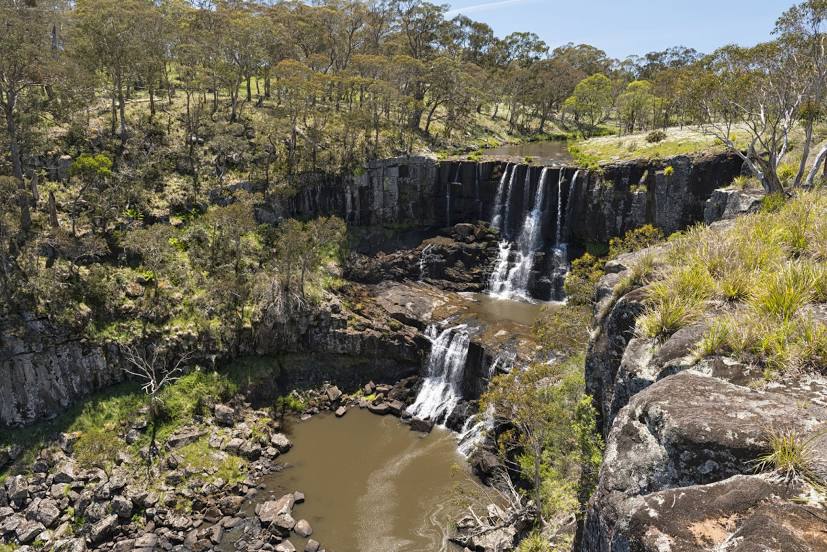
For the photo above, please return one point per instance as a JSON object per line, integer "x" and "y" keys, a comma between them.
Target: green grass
{"x": 201, "y": 459}
{"x": 792, "y": 456}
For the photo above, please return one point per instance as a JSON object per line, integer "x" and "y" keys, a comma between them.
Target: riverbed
{"x": 372, "y": 484}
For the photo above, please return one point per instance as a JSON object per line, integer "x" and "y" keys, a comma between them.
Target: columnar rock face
{"x": 682, "y": 439}
{"x": 593, "y": 205}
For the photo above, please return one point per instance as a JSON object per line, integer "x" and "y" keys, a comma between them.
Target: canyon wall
{"x": 46, "y": 369}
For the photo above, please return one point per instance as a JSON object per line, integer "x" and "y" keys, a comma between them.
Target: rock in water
{"x": 423, "y": 426}
{"x": 303, "y": 528}
{"x": 341, "y": 411}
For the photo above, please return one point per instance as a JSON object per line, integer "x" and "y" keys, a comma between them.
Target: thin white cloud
{"x": 483, "y": 7}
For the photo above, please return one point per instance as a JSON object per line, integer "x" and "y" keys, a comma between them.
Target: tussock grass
{"x": 767, "y": 272}
{"x": 792, "y": 457}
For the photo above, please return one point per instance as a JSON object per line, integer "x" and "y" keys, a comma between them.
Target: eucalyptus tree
{"x": 111, "y": 37}
{"x": 591, "y": 103}
{"x": 758, "y": 91}
{"x": 26, "y": 59}
{"x": 801, "y": 29}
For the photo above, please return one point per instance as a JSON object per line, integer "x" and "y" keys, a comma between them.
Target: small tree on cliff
{"x": 152, "y": 368}
{"x": 554, "y": 444}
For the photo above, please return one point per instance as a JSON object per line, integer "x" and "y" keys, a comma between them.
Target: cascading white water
{"x": 559, "y": 231}
{"x": 440, "y": 391}
{"x": 509, "y": 283}
{"x": 497, "y": 214}
{"x": 425, "y": 259}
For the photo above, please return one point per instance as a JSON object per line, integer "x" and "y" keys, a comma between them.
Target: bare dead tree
{"x": 151, "y": 367}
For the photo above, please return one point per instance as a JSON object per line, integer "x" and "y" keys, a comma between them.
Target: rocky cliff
{"x": 682, "y": 439}
{"x": 46, "y": 369}
{"x": 593, "y": 205}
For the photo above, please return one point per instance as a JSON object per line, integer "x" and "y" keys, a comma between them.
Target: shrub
{"x": 581, "y": 280}
{"x": 782, "y": 294}
{"x": 656, "y": 136}
{"x": 634, "y": 240}
{"x": 669, "y": 171}
{"x": 534, "y": 543}
{"x": 715, "y": 341}
{"x": 786, "y": 172}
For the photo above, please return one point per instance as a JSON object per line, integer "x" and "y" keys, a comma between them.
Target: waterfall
{"x": 511, "y": 283}
{"x": 497, "y": 214}
{"x": 425, "y": 257}
{"x": 570, "y": 204}
{"x": 456, "y": 179}
{"x": 559, "y": 232}
{"x": 440, "y": 391}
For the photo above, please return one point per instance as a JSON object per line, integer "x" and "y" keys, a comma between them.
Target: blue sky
{"x": 625, "y": 27}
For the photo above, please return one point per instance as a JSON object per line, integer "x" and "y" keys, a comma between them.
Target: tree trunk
{"x": 122, "y": 109}
{"x": 33, "y": 186}
{"x": 805, "y": 153}
{"x": 16, "y": 162}
{"x": 249, "y": 90}
{"x": 53, "y": 222}
{"x": 814, "y": 169}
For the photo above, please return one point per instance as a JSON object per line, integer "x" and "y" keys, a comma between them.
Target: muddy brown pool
{"x": 371, "y": 484}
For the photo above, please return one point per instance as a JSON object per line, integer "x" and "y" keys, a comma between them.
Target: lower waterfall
{"x": 440, "y": 391}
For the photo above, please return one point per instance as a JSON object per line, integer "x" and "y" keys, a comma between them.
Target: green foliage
{"x": 194, "y": 393}
{"x": 290, "y": 403}
{"x": 669, "y": 171}
{"x": 559, "y": 449}
{"x": 582, "y": 279}
{"x": 534, "y": 543}
{"x": 634, "y": 240}
{"x": 742, "y": 182}
{"x": 773, "y": 203}
{"x": 92, "y": 166}
{"x": 564, "y": 329}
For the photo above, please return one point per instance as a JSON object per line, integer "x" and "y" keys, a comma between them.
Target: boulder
{"x": 281, "y": 442}
{"x": 311, "y": 546}
{"x": 47, "y": 512}
{"x": 341, "y": 411}
{"x": 298, "y": 497}
{"x": 382, "y": 408}
{"x": 70, "y": 545}
{"x": 17, "y": 489}
{"x": 303, "y": 528}
{"x": 28, "y": 531}
{"x": 185, "y": 437}
{"x": 333, "y": 393}
{"x": 422, "y": 426}
{"x": 148, "y": 541}
{"x": 396, "y": 407}
{"x": 121, "y": 507}
{"x": 270, "y": 510}
{"x": 104, "y": 529}
{"x": 285, "y": 546}
{"x": 224, "y": 415}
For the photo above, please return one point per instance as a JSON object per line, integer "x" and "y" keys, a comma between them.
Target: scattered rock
{"x": 285, "y": 546}
{"x": 224, "y": 415}
{"x": 333, "y": 393}
{"x": 303, "y": 528}
{"x": 382, "y": 408}
{"x": 28, "y": 531}
{"x": 281, "y": 442}
{"x": 47, "y": 512}
{"x": 270, "y": 510}
{"x": 122, "y": 507}
{"x": 311, "y": 546}
{"x": 298, "y": 497}
{"x": 185, "y": 437}
{"x": 17, "y": 489}
{"x": 341, "y": 411}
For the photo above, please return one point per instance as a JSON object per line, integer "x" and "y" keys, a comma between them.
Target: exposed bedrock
{"x": 682, "y": 440}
